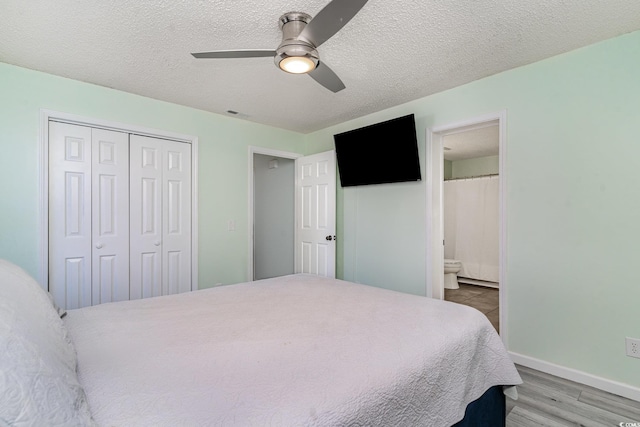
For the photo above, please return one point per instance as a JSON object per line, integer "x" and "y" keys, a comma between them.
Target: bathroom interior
{"x": 471, "y": 219}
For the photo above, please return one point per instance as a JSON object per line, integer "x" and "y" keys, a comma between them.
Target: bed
{"x": 298, "y": 350}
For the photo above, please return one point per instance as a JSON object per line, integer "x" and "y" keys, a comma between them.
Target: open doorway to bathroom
{"x": 470, "y": 208}
{"x": 465, "y": 217}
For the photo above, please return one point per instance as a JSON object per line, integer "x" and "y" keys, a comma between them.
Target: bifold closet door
{"x": 88, "y": 215}
{"x": 160, "y": 187}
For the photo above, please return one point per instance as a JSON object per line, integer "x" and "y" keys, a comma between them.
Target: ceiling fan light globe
{"x": 297, "y": 64}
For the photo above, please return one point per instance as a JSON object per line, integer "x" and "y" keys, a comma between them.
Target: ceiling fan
{"x": 301, "y": 36}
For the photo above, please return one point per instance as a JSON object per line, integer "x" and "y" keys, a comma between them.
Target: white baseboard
{"x": 475, "y": 282}
{"x": 615, "y": 387}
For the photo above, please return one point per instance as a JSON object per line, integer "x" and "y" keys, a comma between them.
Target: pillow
{"x": 38, "y": 381}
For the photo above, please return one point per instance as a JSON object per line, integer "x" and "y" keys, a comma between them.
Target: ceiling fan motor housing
{"x": 292, "y": 24}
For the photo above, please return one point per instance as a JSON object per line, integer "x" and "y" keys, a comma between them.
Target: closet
{"x": 119, "y": 215}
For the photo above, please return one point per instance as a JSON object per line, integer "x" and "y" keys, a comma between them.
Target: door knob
{"x": 157, "y": 243}
{"x": 331, "y": 238}
{"x": 99, "y": 245}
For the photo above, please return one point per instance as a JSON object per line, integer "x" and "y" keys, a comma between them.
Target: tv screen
{"x": 379, "y": 154}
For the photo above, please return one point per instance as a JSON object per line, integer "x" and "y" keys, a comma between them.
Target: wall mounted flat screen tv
{"x": 379, "y": 154}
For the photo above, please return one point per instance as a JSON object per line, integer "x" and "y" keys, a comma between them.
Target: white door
{"x": 176, "y": 217}
{"x": 119, "y": 216}
{"x": 69, "y": 217}
{"x": 315, "y": 250}
{"x": 160, "y": 217}
{"x": 88, "y": 215}
{"x": 110, "y": 216}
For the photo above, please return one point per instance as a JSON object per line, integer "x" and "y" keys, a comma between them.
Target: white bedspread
{"x": 297, "y": 351}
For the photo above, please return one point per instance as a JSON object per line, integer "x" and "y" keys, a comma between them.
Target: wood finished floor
{"x": 483, "y": 299}
{"x": 548, "y": 401}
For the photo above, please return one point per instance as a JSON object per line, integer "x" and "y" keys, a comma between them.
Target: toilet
{"x": 451, "y": 269}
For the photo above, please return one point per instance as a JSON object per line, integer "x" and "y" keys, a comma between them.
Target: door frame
{"x": 251, "y": 214}
{"x": 435, "y": 224}
{"x": 50, "y": 115}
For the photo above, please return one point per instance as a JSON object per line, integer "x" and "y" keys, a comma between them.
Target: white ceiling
{"x": 390, "y": 53}
{"x": 469, "y": 144}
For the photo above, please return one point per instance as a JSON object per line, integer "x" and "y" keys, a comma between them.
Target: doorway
{"x": 472, "y": 137}
{"x": 274, "y": 216}
{"x": 271, "y": 213}
{"x": 314, "y": 187}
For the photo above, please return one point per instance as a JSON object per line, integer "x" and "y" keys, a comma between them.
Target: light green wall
{"x": 474, "y": 167}
{"x": 572, "y": 168}
{"x": 222, "y": 173}
{"x": 448, "y": 169}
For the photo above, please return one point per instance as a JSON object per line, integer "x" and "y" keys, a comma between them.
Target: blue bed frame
{"x": 487, "y": 411}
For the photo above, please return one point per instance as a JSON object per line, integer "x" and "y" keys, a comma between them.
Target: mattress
{"x": 296, "y": 350}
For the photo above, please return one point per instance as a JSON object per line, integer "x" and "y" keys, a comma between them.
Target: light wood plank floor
{"x": 548, "y": 401}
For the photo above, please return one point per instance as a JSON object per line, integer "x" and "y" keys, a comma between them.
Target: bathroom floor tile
{"x": 494, "y": 318}
{"x": 470, "y": 289}
{"x": 459, "y": 298}
{"x": 485, "y": 300}
{"x": 481, "y": 306}
{"x": 490, "y": 297}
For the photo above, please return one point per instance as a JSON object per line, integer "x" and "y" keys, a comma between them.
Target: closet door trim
{"x": 55, "y": 116}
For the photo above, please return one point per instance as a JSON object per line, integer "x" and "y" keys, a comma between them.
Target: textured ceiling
{"x": 390, "y": 53}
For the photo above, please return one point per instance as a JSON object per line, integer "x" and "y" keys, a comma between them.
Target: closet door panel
{"x": 176, "y": 217}
{"x": 149, "y": 276}
{"x": 146, "y": 216}
{"x": 110, "y": 212}
{"x": 70, "y": 214}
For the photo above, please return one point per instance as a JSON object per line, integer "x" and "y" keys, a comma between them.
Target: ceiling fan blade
{"x": 327, "y": 78}
{"x": 330, "y": 20}
{"x": 240, "y": 53}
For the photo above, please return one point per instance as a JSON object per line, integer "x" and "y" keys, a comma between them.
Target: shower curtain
{"x": 471, "y": 224}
